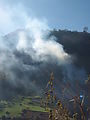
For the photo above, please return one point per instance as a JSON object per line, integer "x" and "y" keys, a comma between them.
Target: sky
{"x": 60, "y": 14}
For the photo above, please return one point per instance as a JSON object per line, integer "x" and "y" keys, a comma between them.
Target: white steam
{"x": 36, "y": 41}
{"x": 33, "y": 39}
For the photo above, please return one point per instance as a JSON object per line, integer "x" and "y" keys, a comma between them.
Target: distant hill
{"x": 25, "y": 71}
{"x": 77, "y": 44}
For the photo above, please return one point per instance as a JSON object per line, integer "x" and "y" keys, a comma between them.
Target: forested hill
{"x": 27, "y": 62}
{"x": 77, "y": 44}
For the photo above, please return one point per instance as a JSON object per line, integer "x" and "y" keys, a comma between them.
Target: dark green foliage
{"x": 77, "y": 44}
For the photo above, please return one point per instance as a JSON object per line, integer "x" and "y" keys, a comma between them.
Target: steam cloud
{"x": 29, "y": 55}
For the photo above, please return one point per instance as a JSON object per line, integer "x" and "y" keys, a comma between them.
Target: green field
{"x": 16, "y": 106}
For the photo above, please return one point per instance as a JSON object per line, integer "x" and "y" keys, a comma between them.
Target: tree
{"x": 85, "y": 29}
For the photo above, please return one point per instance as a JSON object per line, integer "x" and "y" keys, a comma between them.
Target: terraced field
{"x": 17, "y": 105}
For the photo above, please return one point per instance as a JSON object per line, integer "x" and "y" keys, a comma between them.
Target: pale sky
{"x": 61, "y": 14}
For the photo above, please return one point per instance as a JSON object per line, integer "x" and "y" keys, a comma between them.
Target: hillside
{"x": 25, "y": 71}
{"x": 77, "y": 44}
{"x": 28, "y": 60}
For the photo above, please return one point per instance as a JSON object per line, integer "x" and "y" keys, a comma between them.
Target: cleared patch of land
{"x": 16, "y": 106}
